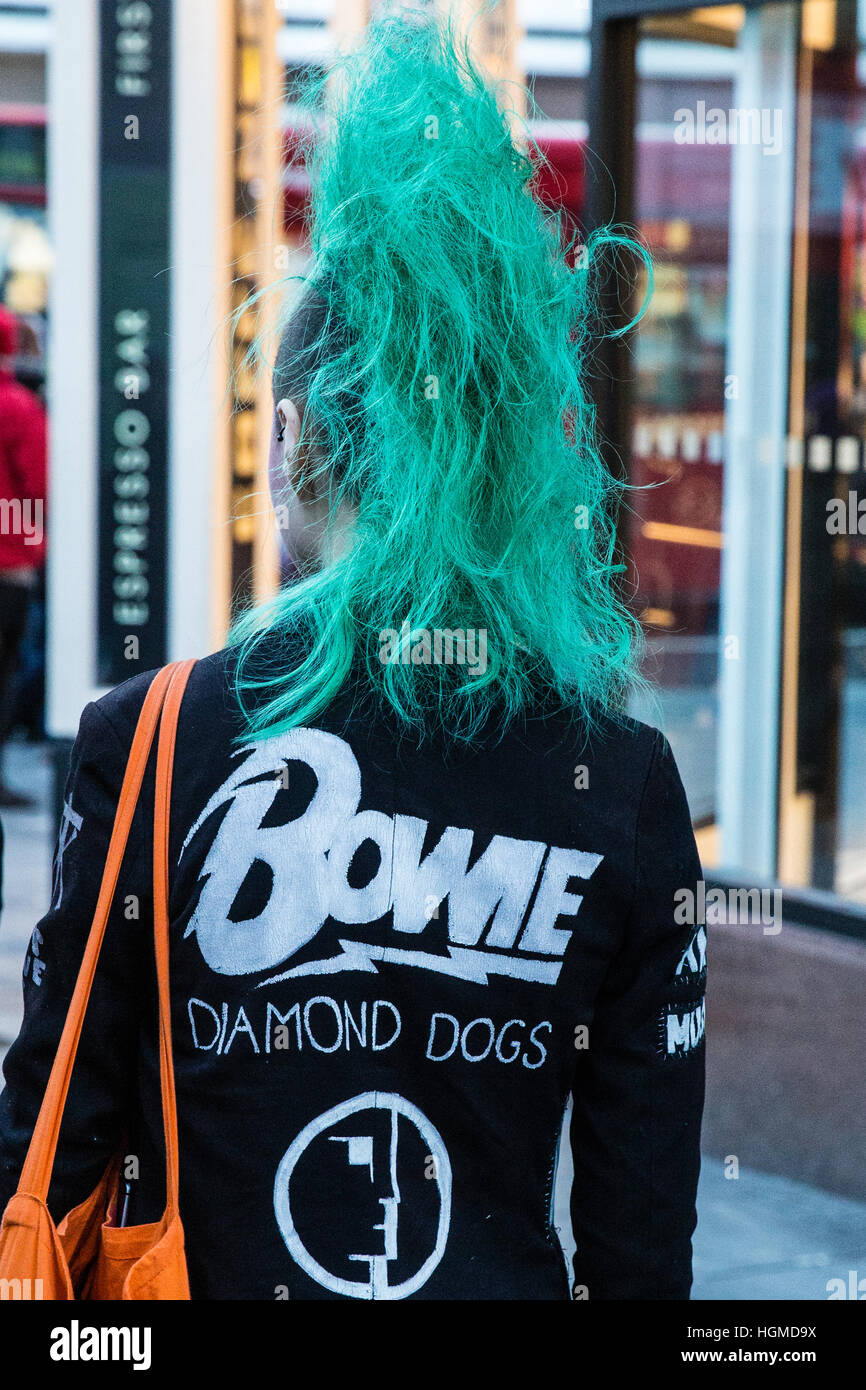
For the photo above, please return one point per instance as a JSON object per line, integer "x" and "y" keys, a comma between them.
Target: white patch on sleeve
{"x": 70, "y": 825}
{"x": 682, "y": 1028}
{"x": 694, "y": 959}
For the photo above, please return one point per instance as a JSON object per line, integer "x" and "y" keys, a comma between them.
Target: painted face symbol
{"x": 343, "y": 1187}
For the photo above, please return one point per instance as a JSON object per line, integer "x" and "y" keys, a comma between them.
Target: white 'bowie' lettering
{"x": 310, "y": 858}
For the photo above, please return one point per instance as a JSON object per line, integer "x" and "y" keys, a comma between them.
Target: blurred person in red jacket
{"x": 23, "y": 436}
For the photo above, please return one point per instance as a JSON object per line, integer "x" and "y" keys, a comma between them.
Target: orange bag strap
{"x": 162, "y": 805}
{"x": 38, "y": 1166}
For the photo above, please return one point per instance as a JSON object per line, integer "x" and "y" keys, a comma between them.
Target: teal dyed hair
{"x": 443, "y": 386}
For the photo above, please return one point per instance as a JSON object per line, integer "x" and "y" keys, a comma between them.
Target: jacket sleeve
{"x": 639, "y": 1086}
{"x": 31, "y": 450}
{"x": 103, "y": 1076}
{"x": 26, "y": 456}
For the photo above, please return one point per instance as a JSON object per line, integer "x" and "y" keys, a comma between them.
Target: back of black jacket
{"x": 391, "y": 966}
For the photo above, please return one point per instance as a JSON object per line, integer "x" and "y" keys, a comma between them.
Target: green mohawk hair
{"x": 445, "y": 388}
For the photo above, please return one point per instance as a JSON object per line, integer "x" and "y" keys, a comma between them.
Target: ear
{"x": 290, "y": 425}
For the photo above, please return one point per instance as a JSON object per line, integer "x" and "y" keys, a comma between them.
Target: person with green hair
{"x": 429, "y": 883}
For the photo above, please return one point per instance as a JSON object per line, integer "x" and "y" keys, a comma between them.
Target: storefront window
{"x": 674, "y": 526}
{"x": 25, "y": 250}
{"x": 826, "y": 807}
{"x": 747, "y": 528}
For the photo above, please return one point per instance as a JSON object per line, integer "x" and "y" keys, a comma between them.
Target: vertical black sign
{"x": 134, "y": 303}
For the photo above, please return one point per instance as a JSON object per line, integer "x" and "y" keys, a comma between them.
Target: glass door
{"x": 746, "y": 531}
{"x": 713, "y": 197}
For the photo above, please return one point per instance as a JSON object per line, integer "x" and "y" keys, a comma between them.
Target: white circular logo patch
{"x": 367, "y": 1185}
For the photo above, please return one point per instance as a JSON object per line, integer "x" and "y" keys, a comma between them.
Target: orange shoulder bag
{"x": 87, "y": 1256}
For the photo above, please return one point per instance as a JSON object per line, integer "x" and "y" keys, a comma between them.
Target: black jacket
{"x": 390, "y": 968}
